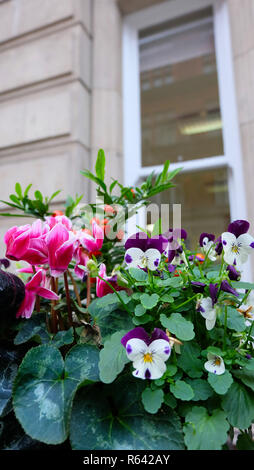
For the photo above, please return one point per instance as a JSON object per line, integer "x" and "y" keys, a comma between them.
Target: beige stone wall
{"x": 45, "y": 96}
{"x": 242, "y": 33}
{"x": 106, "y": 118}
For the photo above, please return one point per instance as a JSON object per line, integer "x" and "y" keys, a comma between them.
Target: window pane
{"x": 180, "y": 111}
{"x": 203, "y": 196}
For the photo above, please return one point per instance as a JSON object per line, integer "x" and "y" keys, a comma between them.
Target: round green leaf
{"x": 178, "y": 325}
{"x": 149, "y": 301}
{"x": 139, "y": 310}
{"x": 152, "y": 400}
{"x": 201, "y": 389}
{"x": 182, "y": 390}
{"x": 44, "y": 389}
{"x": 246, "y": 376}
{"x": 138, "y": 274}
{"x": 142, "y": 320}
{"x": 189, "y": 361}
{"x": 238, "y": 404}
{"x": 109, "y": 315}
{"x": 205, "y": 432}
{"x": 112, "y": 417}
{"x": 113, "y": 358}
{"x": 220, "y": 383}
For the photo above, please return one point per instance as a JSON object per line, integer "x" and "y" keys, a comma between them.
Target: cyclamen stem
{"x": 68, "y": 299}
{"x": 88, "y": 290}
{"x": 75, "y": 288}
{"x": 37, "y": 302}
{"x": 53, "y": 312}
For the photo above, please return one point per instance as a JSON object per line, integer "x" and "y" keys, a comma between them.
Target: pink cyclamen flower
{"x": 30, "y": 270}
{"x": 52, "y": 220}
{"x": 60, "y": 244}
{"x": 93, "y": 243}
{"x": 27, "y": 243}
{"x": 33, "y": 288}
{"x": 81, "y": 258}
{"x": 102, "y": 288}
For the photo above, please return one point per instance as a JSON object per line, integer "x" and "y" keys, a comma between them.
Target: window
{"x": 180, "y": 110}
{"x": 179, "y": 104}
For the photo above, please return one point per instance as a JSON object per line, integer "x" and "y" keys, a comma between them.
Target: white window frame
{"x": 232, "y": 158}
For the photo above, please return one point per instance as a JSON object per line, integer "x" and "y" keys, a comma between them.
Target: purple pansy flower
{"x": 237, "y": 243}
{"x": 233, "y": 274}
{"x": 148, "y": 353}
{"x": 198, "y": 286}
{"x": 226, "y": 287}
{"x": 218, "y": 246}
{"x": 238, "y": 227}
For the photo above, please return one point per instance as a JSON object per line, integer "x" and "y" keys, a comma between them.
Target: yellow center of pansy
{"x": 217, "y": 361}
{"x": 148, "y": 357}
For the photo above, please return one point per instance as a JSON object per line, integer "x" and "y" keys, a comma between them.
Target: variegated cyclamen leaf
{"x": 45, "y": 386}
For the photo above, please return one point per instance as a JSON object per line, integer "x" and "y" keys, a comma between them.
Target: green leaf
{"x": 149, "y": 301}
{"x": 106, "y": 312}
{"x": 139, "y": 310}
{"x": 54, "y": 195}
{"x": 167, "y": 298}
{"x": 246, "y": 376}
{"x": 201, "y": 389}
{"x": 235, "y": 321}
{"x": 170, "y": 400}
{"x": 156, "y": 228}
{"x": 113, "y": 418}
{"x": 45, "y": 386}
{"x": 15, "y": 199}
{"x": 189, "y": 361}
{"x": 163, "y": 175}
{"x": 100, "y": 165}
{"x": 113, "y": 358}
{"x": 63, "y": 337}
{"x": 138, "y": 274}
{"x": 174, "y": 282}
{"x": 205, "y": 432}
{"x": 178, "y": 325}
{"x": 182, "y": 390}
{"x": 250, "y": 364}
{"x": 152, "y": 399}
{"x": 27, "y": 189}
{"x": 242, "y": 285}
{"x": 38, "y": 196}
{"x": 18, "y": 190}
{"x": 8, "y": 370}
{"x": 94, "y": 178}
{"x": 34, "y": 329}
{"x": 238, "y": 404}
{"x": 220, "y": 383}
{"x": 142, "y": 320}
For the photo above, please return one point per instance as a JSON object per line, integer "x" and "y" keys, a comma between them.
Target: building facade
{"x": 146, "y": 80}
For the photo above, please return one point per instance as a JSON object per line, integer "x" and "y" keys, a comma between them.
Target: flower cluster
{"x": 49, "y": 247}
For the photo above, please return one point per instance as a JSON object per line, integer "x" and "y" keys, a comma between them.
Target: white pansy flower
{"x": 148, "y": 360}
{"x": 215, "y": 364}
{"x": 208, "y": 247}
{"x": 237, "y": 249}
{"x": 208, "y": 311}
{"x": 137, "y": 258}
